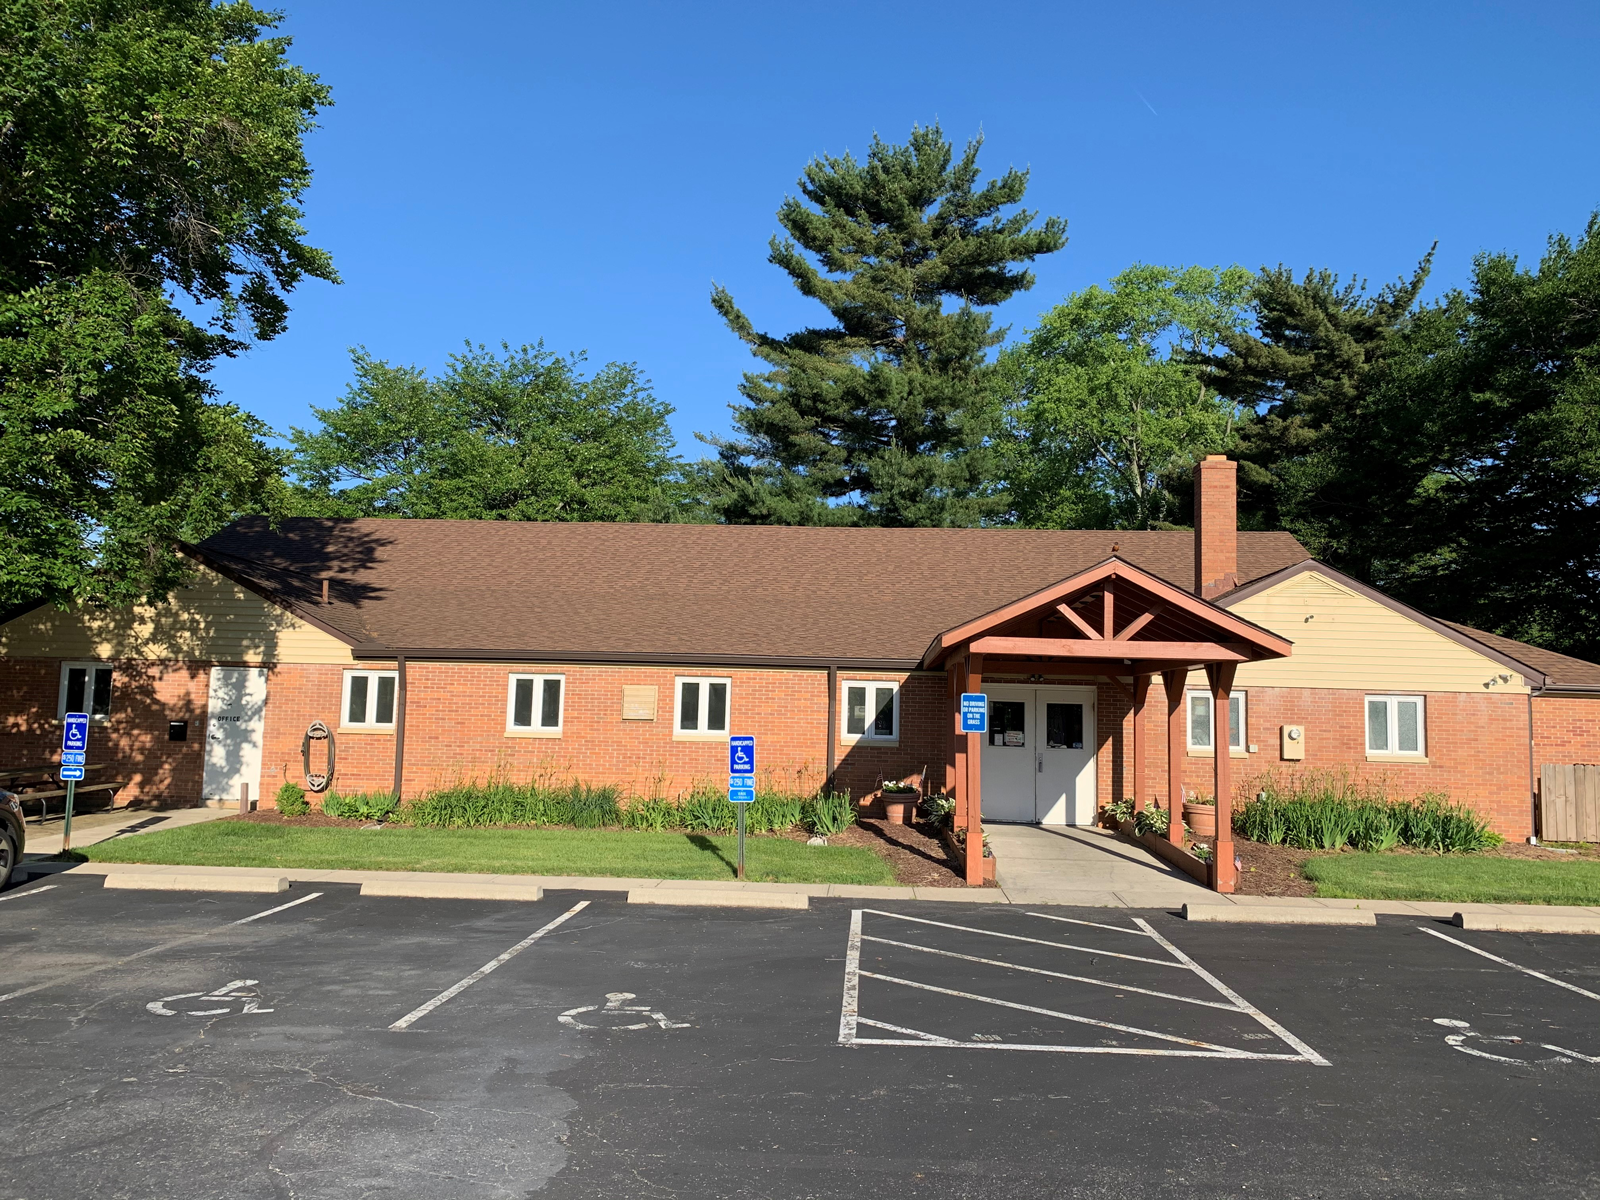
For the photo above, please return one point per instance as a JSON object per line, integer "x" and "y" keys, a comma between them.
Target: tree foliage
{"x": 881, "y": 417}
{"x": 1106, "y": 409}
{"x": 521, "y": 435}
{"x": 150, "y": 153}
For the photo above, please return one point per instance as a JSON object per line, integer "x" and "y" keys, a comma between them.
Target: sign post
{"x": 74, "y": 753}
{"x": 741, "y": 782}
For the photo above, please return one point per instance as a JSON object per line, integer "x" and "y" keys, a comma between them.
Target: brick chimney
{"x": 1216, "y": 526}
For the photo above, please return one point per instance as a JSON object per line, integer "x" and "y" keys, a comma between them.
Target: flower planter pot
{"x": 896, "y": 805}
{"x": 1201, "y": 819}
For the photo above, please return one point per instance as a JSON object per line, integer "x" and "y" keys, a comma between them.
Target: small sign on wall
{"x": 638, "y": 702}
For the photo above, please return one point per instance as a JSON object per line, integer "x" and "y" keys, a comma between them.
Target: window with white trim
{"x": 368, "y": 699}
{"x": 533, "y": 703}
{"x": 1395, "y": 726}
{"x": 85, "y": 688}
{"x": 871, "y": 710}
{"x": 1200, "y": 723}
{"x": 700, "y": 705}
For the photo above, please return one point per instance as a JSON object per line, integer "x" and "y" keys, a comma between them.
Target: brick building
{"x": 1113, "y": 663}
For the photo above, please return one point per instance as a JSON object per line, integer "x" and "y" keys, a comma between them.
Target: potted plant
{"x": 1200, "y": 815}
{"x": 898, "y": 797}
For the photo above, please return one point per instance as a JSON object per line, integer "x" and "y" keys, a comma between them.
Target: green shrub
{"x": 940, "y": 810}
{"x": 592, "y": 807}
{"x": 292, "y": 800}
{"x": 1329, "y": 812}
{"x": 360, "y": 806}
{"x": 1152, "y": 820}
{"x": 1120, "y": 810}
{"x": 773, "y": 812}
{"x": 828, "y": 813}
{"x": 500, "y": 802}
{"x": 706, "y": 810}
{"x": 655, "y": 814}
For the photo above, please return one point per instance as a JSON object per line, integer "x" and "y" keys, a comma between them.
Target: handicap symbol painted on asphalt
{"x": 614, "y": 1005}
{"x": 228, "y": 995}
{"x": 1504, "y": 1041}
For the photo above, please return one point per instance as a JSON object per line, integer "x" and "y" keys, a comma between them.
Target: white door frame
{"x": 236, "y": 710}
{"x": 1005, "y": 797}
{"x": 1078, "y": 801}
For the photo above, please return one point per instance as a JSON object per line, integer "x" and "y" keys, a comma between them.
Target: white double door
{"x": 235, "y": 715}
{"x": 1039, "y": 756}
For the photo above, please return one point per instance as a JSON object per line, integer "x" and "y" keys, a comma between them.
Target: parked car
{"x": 13, "y": 836}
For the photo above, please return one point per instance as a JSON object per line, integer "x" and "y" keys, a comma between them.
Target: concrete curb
{"x": 1263, "y": 914}
{"x": 718, "y": 898}
{"x": 428, "y": 889}
{"x": 1526, "y": 922}
{"x": 198, "y": 883}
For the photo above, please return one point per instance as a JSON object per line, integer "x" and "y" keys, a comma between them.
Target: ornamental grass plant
{"x": 1329, "y": 811}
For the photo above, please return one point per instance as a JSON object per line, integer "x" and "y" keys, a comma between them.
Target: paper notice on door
{"x": 1014, "y": 737}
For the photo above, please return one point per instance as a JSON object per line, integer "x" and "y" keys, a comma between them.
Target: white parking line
{"x": 174, "y": 943}
{"x": 417, "y": 1014}
{"x": 851, "y": 1020}
{"x": 1571, "y": 987}
{"x": 33, "y": 892}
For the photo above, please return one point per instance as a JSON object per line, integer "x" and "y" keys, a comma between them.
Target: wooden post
{"x": 1174, "y": 682}
{"x": 1141, "y": 690}
{"x": 958, "y": 743}
{"x": 1220, "y": 676}
{"x": 975, "y": 783}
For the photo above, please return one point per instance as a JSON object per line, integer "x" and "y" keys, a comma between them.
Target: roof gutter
{"x": 374, "y": 652}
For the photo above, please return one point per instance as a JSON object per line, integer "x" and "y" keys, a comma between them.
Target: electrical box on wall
{"x": 1294, "y": 742}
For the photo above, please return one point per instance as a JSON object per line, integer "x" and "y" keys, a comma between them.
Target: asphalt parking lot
{"x": 319, "y": 1045}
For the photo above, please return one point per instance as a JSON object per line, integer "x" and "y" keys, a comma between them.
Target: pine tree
{"x": 883, "y": 417}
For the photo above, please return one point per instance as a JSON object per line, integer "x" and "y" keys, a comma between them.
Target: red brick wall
{"x": 1477, "y": 749}
{"x": 133, "y": 741}
{"x": 1566, "y": 730}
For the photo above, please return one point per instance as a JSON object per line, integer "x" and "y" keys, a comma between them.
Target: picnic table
{"x": 42, "y": 783}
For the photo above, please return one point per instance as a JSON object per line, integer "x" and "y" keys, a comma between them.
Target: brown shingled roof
{"x": 1561, "y": 670}
{"x": 688, "y": 593}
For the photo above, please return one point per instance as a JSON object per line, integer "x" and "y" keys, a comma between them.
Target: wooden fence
{"x": 1569, "y": 802}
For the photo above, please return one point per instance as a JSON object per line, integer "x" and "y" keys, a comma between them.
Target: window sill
{"x": 1193, "y": 753}
{"x": 1419, "y": 759}
{"x": 680, "y": 736}
{"x": 854, "y": 742}
{"x": 383, "y": 730}
{"x": 533, "y": 733}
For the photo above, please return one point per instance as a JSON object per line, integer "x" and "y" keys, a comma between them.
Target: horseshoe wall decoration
{"x": 317, "y": 781}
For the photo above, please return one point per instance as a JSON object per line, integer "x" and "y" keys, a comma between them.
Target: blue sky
{"x": 582, "y": 173}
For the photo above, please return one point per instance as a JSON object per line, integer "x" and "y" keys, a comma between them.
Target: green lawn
{"x": 1461, "y": 878}
{"x": 229, "y": 843}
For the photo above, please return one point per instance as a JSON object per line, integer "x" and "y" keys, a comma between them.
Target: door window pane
{"x": 1007, "y": 721}
{"x": 689, "y": 707}
{"x": 385, "y": 714}
{"x": 855, "y": 716}
{"x": 550, "y": 708}
{"x": 883, "y": 719}
{"x": 1200, "y": 720}
{"x": 1063, "y": 726}
{"x": 1378, "y": 725}
{"x": 356, "y": 714}
{"x": 716, "y": 706}
{"x": 522, "y": 704}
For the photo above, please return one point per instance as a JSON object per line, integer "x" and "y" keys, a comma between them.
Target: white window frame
{"x": 536, "y": 712}
{"x": 700, "y": 733}
{"x": 868, "y": 734}
{"x": 372, "y": 700}
{"x": 1239, "y": 747}
{"x": 1392, "y": 726}
{"x": 90, "y": 668}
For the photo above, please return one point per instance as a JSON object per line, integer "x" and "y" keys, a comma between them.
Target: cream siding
{"x": 1342, "y": 639}
{"x": 212, "y": 619}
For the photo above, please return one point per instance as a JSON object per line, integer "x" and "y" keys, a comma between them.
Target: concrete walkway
{"x": 44, "y": 839}
{"x": 1092, "y": 867}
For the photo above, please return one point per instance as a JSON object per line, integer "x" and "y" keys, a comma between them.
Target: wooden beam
{"x": 1140, "y": 622}
{"x": 974, "y": 862}
{"x": 1220, "y": 676}
{"x": 1022, "y": 647}
{"x": 1175, "y": 683}
{"x": 1141, "y": 690}
{"x": 1108, "y": 609}
{"x": 1088, "y": 629}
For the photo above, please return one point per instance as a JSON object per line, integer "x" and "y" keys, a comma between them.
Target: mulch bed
{"x": 1272, "y": 870}
{"x": 315, "y": 817}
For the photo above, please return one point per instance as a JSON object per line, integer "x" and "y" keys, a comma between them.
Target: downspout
{"x": 1533, "y": 795}
{"x": 399, "y": 724}
{"x": 833, "y": 724}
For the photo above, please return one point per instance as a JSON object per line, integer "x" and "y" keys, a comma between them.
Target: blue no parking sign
{"x": 974, "y": 712}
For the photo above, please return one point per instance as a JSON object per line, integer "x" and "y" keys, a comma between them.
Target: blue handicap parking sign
{"x": 71, "y": 773}
{"x": 974, "y": 712}
{"x": 75, "y": 732}
{"x": 741, "y": 756}
{"x": 73, "y": 758}
{"x": 742, "y": 789}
